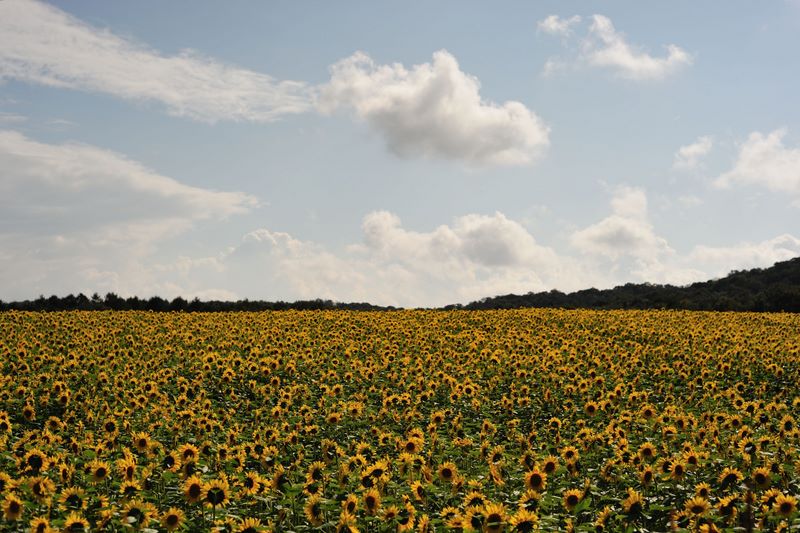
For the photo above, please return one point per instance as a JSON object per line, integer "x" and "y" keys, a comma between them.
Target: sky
{"x": 400, "y": 153}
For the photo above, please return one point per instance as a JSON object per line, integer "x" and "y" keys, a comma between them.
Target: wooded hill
{"x": 776, "y": 288}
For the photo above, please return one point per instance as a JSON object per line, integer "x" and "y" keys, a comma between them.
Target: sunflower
{"x": 313, "y": 510}
{"x": 529, "y": 500}
{"x": 524, "y": 521}
{"x": 447, "y": 472}
{"x": 98, "y": 471}
{"x": 12, "y": 507}
{"x": 29, "y": 412}
{"x": 633, "y": 504}
{"x": 279, "y": 478}
{"x": 572, "y": 498}
{"x": 703, "y": 490}
{"x": 188, "y": 452}
{"x": 73, "y": 498}
{"x": 249, "y": 525}
{"x": 601, "y": 521}
{"x": 173, "y": 519}
{"x": 570, "y": 454}
{"x": 496, "y": 516}
{"x": 141, "y": 441}
{"x": 75, "y": 523}
{"x": 390, "y": 513}
{"x": 770, "y": 497}
{"x": 372, "y": 501}
{"x": 347, "y": 523}
{"x": 350, "y": 504}
{"x": 42, "y": 488}
{"x": 419, "y": 491}
{"x": 785, "y": 506}
{"x": 40, "y": 525}
{"x": 406, "y": 518}
{"x": 6, "y": 482}
{"x": 474, "y": 499}
{"x": 647, "y": 451}
{"x": 550, "y": 464}
{"x": 729, "y": 476}
{"x": 130, "y": 489}
{"x": 171, "y": 461}
{"x": 448, "y": 512}
{"x": 761, "y": 477}
{"x": 677, "y": 471}
{"x": 646, "y": 476}
{"x": 536, "y": 480}
{"x": 216, "y": 492}
{"x": 127, "y": 468}
{"x": 251, "y": 484}
{"x": 697, "y": 506}
{"x": 137, "y": 514}
{"x": 727, "y": 506}
{"x": 193, "y": 489}
{"x": 35, "y": 461}
{"x": 316, "y": 472}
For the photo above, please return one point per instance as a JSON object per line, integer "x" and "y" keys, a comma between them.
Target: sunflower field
{"x": 524, "y": 420}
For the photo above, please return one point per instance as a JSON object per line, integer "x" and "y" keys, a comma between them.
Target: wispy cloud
{"x": 688, "y": 157}
{"x": 603, "y": 46}
{"x": 555, "y": 25}
{"x": 44, "y": 45}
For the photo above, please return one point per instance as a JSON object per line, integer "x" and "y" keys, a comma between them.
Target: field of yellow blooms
{"x": 522, "y": 420}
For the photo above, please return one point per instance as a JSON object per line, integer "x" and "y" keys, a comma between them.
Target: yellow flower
{"x": 572, "y": 498}
{"x": 12, "y": 507}
{"x": 785, "y": 506}
{"x": 173, "y": 519}
{"x": 697, "y": 506}
{"x": 313, "y": 510}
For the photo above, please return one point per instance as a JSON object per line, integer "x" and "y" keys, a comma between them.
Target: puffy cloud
{"x": 475, "y": 256}
{"x": 555, "y": 25}
{"x": 80, "y": 217}
{"x": 688, "y": 156}
{"x": 764, "y": 160}
{"x": 434, "y": 110}
{"x": 41, "y": 44}
{"x": 605, "y": 47}
{"x": 627, "y": 231}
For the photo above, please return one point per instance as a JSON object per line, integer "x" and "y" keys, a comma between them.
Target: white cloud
{"x": 434, "y": 110}
{"x": 719, "y": 260}
{"x": 688, "y": 156}
{"x": 78, "y": 217}
{"x": 764, "y": 160}
{"x": 555, "y": 25}
{"x": 475, "y": 256}
{"x": 43, "y": 45}
{"x": 627, "y": 231}
{"x": 605, "y": 47}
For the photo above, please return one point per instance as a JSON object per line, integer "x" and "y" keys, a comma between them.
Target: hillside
{"x": 776, "y": 288}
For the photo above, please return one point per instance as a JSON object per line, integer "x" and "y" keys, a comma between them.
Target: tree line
{"x": 772, "y": 289}
{"x": 111, "y": 301}
{"x": 776, "y": 288}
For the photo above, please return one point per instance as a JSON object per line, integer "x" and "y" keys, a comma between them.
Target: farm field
{"x": 518, "y": 420}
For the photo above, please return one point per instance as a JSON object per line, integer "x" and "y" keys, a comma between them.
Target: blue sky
{"x": 400, "y": 153}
